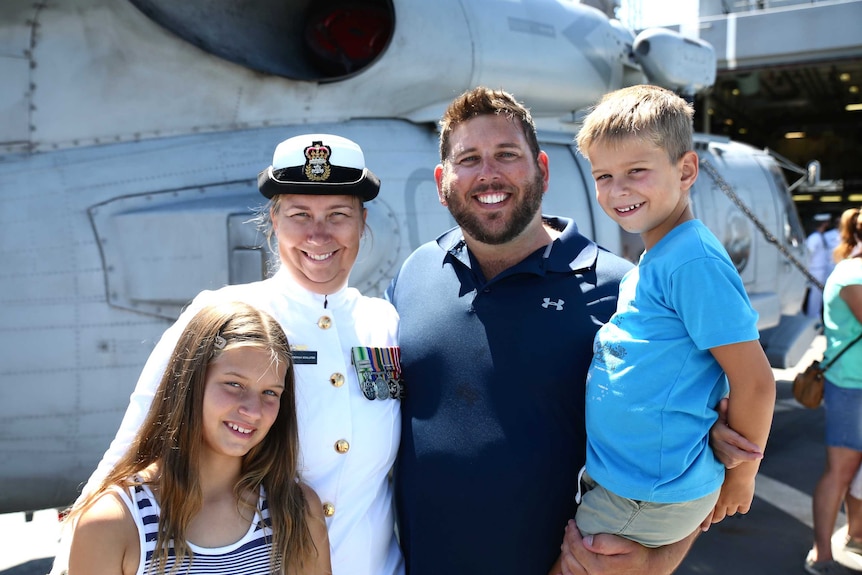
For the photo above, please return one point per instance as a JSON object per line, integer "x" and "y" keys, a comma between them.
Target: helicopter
{"x": 132, "y": 132}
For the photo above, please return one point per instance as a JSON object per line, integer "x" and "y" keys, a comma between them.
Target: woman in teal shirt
{"x": 842, "y": 320}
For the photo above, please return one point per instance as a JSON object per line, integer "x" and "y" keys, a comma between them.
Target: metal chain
{"x": 770, "y": 237}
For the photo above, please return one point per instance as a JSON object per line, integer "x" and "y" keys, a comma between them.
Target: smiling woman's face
{"x": 318, "y": 238}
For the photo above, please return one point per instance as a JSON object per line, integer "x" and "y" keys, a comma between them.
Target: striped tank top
{"x": 248, "y": 556}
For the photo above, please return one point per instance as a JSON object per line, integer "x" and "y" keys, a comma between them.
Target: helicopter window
{"x": 344, "y": 39}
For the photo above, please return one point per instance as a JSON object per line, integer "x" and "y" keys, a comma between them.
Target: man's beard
{"x": 472, "y": 224}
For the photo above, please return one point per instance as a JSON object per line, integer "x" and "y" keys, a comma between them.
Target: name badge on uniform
{"x": 301, "y": 355}
{"x": 379, "y": 372}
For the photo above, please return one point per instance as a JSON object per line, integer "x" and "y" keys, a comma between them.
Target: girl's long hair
{"x": 171, "y": 436}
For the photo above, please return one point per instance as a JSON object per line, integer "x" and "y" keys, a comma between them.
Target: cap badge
{"x": 317, "y": 166}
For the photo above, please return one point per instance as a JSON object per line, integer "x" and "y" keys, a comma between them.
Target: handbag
{"x": 808, "y": 385}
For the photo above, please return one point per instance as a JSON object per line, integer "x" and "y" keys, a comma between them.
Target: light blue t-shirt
{"x": 653, "y": 384}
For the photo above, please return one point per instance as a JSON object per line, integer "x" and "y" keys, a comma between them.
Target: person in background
{"x": 498, "y": 317}
{"x": 684, "y": 334}
{"x": 819, "y": 263}
{"x": 348, "y": 425}
{"x": 853, "y": 510}
{"x": 833, "y": 240}
{"x": 853, "y": 500}
{"x": 842, "y": 395}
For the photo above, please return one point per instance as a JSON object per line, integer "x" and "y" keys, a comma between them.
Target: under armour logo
{"x": 557, "y": 304}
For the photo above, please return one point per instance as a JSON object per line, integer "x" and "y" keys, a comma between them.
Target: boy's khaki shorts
{"x": 650, "y": 524}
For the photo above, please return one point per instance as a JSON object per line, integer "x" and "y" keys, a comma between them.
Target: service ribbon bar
{"x": 378, "y": 370}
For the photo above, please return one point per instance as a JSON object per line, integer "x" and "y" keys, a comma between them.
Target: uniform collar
{"x": 569, "y": 252}
{"x": 301, "y": 295}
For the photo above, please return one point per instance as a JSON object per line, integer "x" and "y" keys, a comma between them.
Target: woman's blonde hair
{"x": 850, "y": 231}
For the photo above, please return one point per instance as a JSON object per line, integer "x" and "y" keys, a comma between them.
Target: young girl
{"x": 210, "y": 484}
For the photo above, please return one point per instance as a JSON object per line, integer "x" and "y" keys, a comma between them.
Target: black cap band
{"x": 341, "y": 182}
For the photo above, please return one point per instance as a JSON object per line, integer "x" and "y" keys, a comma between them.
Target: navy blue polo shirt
{"x": 493, "y": 419}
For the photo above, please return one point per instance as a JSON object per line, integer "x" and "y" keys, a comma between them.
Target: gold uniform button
{"x": 328, "y": 509}
{"x": 324, "y": 322}
{"x": 341, "y": 446}
{"x": 336, "y": 379}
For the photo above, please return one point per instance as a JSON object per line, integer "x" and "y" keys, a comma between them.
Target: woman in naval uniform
{"x": 348, "y": 415}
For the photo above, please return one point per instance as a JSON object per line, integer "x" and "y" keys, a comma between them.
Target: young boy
{"x": 683, "y": 330}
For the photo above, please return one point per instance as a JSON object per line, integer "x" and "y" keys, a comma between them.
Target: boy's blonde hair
{"x": 650, "y": 113}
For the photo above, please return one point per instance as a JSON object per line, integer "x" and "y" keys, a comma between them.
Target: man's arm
{"x": 605, "y": 554}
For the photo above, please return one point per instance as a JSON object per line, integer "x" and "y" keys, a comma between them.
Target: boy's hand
{"x": 736, "y": 495}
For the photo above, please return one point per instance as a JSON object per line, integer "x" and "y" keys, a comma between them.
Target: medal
{"x": 378, "y": 370}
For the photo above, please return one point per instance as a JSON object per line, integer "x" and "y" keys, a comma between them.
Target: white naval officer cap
{"x": 318, "y": 164}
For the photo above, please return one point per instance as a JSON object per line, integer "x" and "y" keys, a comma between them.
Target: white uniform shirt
{"x": 351, "y": 478}
{"x": 820, "y": 265}
{"x": 819, "y": 256}
{"x": 833, "y": 238}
